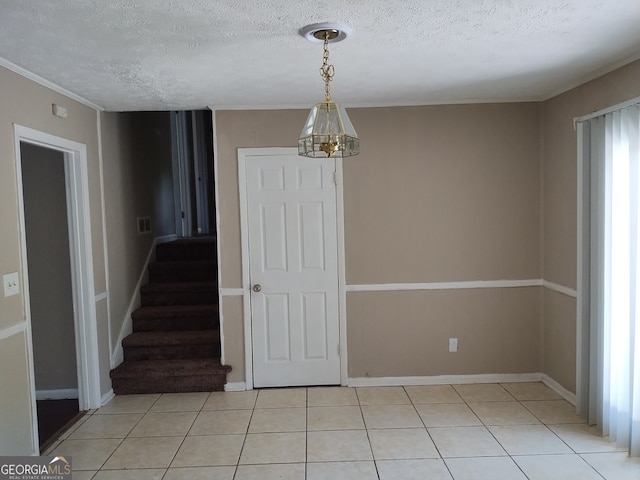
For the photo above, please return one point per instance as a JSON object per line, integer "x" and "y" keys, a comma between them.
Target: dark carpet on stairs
{"x": 175, "y": 344}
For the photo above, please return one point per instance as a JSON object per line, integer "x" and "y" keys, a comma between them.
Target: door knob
{"x": 257, "y": 287}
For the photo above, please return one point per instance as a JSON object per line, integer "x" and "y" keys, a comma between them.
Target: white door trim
{"x": 243, "y": 153}
{"x": 77, "y": 186}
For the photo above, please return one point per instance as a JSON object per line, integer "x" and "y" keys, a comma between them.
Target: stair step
{"x": 185, "y": 293}
{"x": 185, "y": 271}
{"x": 175, "y": 317}
{"x": 187, "y": 249}
{"x": 171, "y": 345}
{"x": 169, "y": 376}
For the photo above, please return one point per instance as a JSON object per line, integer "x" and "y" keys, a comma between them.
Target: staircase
{"x": 175, "y": 344}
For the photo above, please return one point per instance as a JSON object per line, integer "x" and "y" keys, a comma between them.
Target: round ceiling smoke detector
{"x": 316, "y": 31}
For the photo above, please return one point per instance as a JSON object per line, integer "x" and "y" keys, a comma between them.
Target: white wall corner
{"x": 235, "y": 387}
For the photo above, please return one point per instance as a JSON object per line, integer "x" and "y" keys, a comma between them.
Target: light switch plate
{"x": 11, "y": 284}
{"x": 453, "y": 344}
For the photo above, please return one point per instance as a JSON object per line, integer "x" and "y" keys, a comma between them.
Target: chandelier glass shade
{"x": 328, "y": 132}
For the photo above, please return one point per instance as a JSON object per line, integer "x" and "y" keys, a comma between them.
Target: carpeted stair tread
{"x": 187, "y": 249}
{"x": 175, "y": 311}
{"x": 147, "y": 339}
{"x": 182, "y": 293}
{"x": 170, "y": 368}
{"x": 189, "y": 271}
{"x": 164, "y": 287}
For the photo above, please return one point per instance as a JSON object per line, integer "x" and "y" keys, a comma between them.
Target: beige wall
{"x": 15, "y": 398}
{"x": 559, "y": 157}
{"x": 232, "y": 310}
{"x": 454, "y": 197}
{"x": 138, "y": 183}
{"x": 29, "y": 104}
{"x": 405, "y": 333}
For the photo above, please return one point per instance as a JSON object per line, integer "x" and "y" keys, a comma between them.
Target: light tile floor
{"x": 510, "y": 431}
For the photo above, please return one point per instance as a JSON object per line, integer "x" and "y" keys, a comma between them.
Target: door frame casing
{"x": 85, "y": 322}
{"x": 243, "y": 154}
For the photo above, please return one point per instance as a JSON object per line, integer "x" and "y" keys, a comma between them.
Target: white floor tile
{"x": 129, "y": 404}
{"x": 431, "y": 469}
{"x": 614, "y": 466}
{"x": 282, "y": 398}
{"x": 231, "y": 400}
{"x": 555, "y": 467}
{"x": 503, "y": 413}
{"x": 483, "y": 392}
{"x": 382, "y": 396}
{"x": 465, "y": 442}
{"x": 342, "y": 471}
{"x": 433, "y": 394}
{"x": 199, "y": 473}
{"x": 138, "y": 474}
{"x": 331, "y": 396}
{"x": 180, "y": 402}
{"x": 271, "y": 420}
{"x": 484, "y": 468}
{"x": 584, "y": 439}
{"x": 395, "y": 444}
{"x": 290, "y": 471}
{"x": 529, "y": 440}
{"x": 273, "y": 448}
{"x": 531, "y": 391}
{"x": 333, "y": 433}
{"x": 209, "y": 451}
{"x": 218, "y": 422}
{"x": 391, "y": 416}
{"x": 334, "y": 418}
{"x": 551, "y": 412}
{"x": 155, "y": 452}
{"x": 337, "y": 446}
{"x": 447, "y": 415}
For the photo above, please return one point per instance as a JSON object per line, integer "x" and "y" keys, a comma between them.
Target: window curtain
{"x": 609, "y": 281}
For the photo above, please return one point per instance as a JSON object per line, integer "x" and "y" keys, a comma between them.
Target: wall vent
{"x": 144, "y": 225}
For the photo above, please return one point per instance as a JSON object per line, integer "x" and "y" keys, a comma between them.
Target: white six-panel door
{"x": 293, "y": 268}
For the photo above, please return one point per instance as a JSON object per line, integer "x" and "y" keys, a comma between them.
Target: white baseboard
{"x": 59, "y": 394}
{"x": 559, "y": 389}
{"x": 443, "y": 379}
{"x": 106, "y": 398}
{"x": 235, "y": 387}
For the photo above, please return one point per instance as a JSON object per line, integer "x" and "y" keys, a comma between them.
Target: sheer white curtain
{"x": 610, "y": 280}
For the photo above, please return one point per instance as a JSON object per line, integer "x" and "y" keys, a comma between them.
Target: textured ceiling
{"x": 187, "y": 54}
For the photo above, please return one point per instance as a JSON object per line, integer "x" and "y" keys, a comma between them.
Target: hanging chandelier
{"x": 328, "y": 131}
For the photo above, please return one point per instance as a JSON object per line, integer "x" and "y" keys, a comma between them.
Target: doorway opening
{"x": 50, "y": 288}
{"x": 57, "y": 279}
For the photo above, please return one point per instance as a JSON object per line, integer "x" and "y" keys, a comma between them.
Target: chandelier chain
{"x": 326, "y": 71}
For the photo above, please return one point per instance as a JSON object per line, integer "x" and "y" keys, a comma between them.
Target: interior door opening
{"x": 81, "y": 341}
{"x": 46, "y": 217}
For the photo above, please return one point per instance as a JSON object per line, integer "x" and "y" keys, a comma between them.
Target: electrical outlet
{"x": 10, "y": 282}
{"x": 453, "y": 344}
